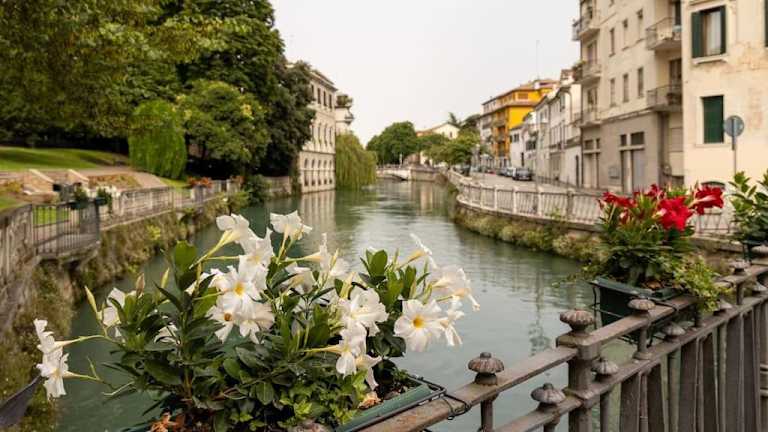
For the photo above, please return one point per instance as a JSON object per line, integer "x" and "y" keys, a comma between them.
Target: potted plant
{"x": 646, "y": 249}
{"x": 80, "y": 198}
{"x": 750, "y": 210}
{"x": 269, "y": 341}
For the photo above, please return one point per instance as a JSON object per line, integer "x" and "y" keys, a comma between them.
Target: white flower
{"x": 254, "y": 318}
{"x": 47, "y": 343}
{"x": 452, "y": 337}
{"x": 422, "y": 250}
{"x": 109, "y": 315}
{"x": 289, "y": 225}
{"x": 330, "y": 264}
{"x": 302, "y": 277}
{"x": 366, "y": 362}
{"x": 54, "y": 369}
{"x": 419, "y": 324}
{"x": 259, "y": 250}
{"x": 363, "y": 310}
{"x": 451, "y": 281}
{"x": 236, "y": 228}
{"x": 223, "y": 316}
{"x": 243, "y": 285}
{"x": 351, "y": 345}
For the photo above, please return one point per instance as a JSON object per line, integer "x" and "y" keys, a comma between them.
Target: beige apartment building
{"x": 317, "y": 159}
{"x": 725, "y": 70}
{"x": 630, "y": 74}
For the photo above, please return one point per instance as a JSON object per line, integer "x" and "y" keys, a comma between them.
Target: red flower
{"x": 674, "y": 213}
{"x": 619, "y": 201}
{"x": 707, "y": 197}
{"x": 655, "y": 192}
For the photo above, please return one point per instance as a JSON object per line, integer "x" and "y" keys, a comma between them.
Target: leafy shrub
{"x": 156, "y": 142}
{"x": 750, "y": 206}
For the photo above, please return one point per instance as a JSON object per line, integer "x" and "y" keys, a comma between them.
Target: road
{"x": 506, "y": 182}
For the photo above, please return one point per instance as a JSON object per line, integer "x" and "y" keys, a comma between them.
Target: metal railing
{"x": 588, "y": 21}
{"x": 707, "y": 375}
{"x": 590, "y": 115}
{"x": 665, "y": 97}
{"x": 53, "y": 230}
{"x": 664, "y": 34}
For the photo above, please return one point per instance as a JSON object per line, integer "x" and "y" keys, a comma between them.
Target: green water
{"x": 519, "y": 305}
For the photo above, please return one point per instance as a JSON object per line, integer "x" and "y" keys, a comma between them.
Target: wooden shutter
{"x": 723, "y": 31}
{"x": 713, "y": 119}
{"x": 696, "y": 35}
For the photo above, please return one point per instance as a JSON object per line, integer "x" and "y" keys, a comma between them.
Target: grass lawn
{"x": 21, "y": 158}
{"x": 178, "y": 184}
{"x": 8, "y": 202}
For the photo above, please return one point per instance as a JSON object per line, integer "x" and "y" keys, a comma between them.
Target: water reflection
{"x": 519, "y": 314}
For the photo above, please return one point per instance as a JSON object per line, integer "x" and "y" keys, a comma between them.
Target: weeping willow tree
{"x": 355, "y": 166}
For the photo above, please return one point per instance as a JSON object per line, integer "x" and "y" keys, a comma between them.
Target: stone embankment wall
{"x": 51, "y": 289}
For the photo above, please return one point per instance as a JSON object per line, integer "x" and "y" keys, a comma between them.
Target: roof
{"x": 433, "y": 128}
{"x": 323, "y": 79}
{"x": 529, "y": 86}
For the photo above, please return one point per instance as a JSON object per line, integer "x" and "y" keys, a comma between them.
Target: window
{"x": 625, "y": 24}
{"x": 640, "y": 25}
{"x": 708, "y": 32}
{"x": 637, "y": 139}
{"x": 622, "y": 140}
{"x": 625, "y": 88}
{"x": 522, "y": 96}
{"x": 640, "y": 83}
{"x": 613, "y": 91}
{"x": 713, "y": 119}
{"x": 612, "y": 36}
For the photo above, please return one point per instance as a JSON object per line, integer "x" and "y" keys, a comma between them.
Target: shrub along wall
{"x": 55, "y": 288}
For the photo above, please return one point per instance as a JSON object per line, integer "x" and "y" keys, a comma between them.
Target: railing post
{"x": 538, "y": 201}
{"x": 495, "y": 197}
{"x": 548, "y": 397}
{"x": 603, "y": 370}
{"x": 569, "y": 204}
{"x": 642, "y": 307}
{"x": 580, "y": 367}
{"x": 486, "y": 367}
{"x": 514, "y": 199}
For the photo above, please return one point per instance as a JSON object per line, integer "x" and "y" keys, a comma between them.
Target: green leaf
{"x": 232, "y": 366}
{"x": 265, "y": 393}
{"x": 163, "y": 372}
{"x": 249, "y": 358}
{"x": 221, "y": 422}
{"x": 378, "y": 263}
{"x": 184, "y": 255}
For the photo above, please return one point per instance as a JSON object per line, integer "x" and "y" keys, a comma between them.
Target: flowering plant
{"x": 646, "y": 238}
{"x": 750, "y": 205}
{"x": 269, "y": 341}
{"x": 205, "y": 182}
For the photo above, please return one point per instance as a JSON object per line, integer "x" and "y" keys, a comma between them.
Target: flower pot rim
{"x": 664, "y": 293}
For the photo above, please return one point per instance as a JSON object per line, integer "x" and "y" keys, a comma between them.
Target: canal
{"x": 519, "y": 303}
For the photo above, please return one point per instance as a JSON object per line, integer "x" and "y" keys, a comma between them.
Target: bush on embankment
{"x": 355, "y": 166}
{"x": 156, "y": 142}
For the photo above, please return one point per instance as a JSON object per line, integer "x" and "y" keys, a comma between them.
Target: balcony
{"x": 590, "y": 117}
{"x": 667, "y": 98}
{"x": 665, "y": 35}
{"x": 586, "y": 26}
{"x": 587, "y": 72}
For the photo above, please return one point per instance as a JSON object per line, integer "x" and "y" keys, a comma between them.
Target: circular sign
{"x": 734, "y": 126}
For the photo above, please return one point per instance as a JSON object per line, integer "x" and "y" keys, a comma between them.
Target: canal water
{"x": 519, "y": 303}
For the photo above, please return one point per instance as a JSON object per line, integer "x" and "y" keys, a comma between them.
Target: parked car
{"x": 523, "y": 174}
{"x": 507, "y": 172}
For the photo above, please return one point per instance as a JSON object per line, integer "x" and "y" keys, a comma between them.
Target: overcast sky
{"x": 419, "y": 59}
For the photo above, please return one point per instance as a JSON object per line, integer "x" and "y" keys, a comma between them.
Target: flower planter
{"x": 419, "y": 392}
{"x": 615, "y": 297}
{"x": 747, "y": 245}
{"x": 100, "y": 201}
{"x": 78, "y": 205}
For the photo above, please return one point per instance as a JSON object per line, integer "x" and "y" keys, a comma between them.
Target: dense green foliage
{"x": 21, "y": 158}
{"x": 156, "y": 143}
{"x": 75, "y": 72}
{"x": 455, "y": 151}
{"x": 397, "y": 141}
{"x": 750, "y": 206}
{"x": 355, "y": 166}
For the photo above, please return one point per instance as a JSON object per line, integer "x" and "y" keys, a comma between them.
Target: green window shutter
{"x": 723, "y": 31}
{"x": 696, "y": 35}
{"x": 713, "y": 119}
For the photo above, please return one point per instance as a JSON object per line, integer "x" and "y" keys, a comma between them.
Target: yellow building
{"x": 506, "y": 111}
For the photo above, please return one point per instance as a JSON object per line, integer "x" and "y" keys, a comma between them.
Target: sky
{"x": 418, "y": 60}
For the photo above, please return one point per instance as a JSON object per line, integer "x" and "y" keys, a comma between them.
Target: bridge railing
{"x": 569, "y": 206}
{"x": 707, "y": 375}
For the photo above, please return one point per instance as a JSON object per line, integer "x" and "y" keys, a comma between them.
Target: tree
{"x": 226, "y": 129}
{"x": 355, "y": 167}
{"x": 432, "y": 143}
{"x": 458, "y": 150}
{"x": 454, "y": 120}
{"x": 397, "y": 141}
{"x": 156, "y": 143}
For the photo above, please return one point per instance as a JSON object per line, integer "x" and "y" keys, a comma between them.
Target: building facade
{"x": 630, "y": 74}
{"x": 317, "y": 159}
{"x": 343, "y": 114}
{"x": 506, "y": 111}
{"x": 725, "y": 72}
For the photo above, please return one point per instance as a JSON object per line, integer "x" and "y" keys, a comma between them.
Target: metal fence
{"x": 569, "y": 206}
{"x": 53, "y": 230}
{"x": 707, "y": 375}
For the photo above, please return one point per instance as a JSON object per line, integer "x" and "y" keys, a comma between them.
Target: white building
{"x": 631, "y": 78}
{"x": 516, "y": 146}
{"x": 343, "y": 114}
{"x": 445, "y": 129}
{"x": 564, "y": 105}
{"x": 317, "y": 165}
{"x": 725, "y": 72}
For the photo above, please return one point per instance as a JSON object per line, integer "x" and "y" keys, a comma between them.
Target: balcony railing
{"x": 664, "y": 35}
{"x": 588, "y": 70}
{"x": 586, "y": 25}
{"x": 590, "y": 116}
{"x": 666, "y": 98}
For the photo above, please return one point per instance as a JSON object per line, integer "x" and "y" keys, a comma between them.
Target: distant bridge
{"x": 407, "y": 172}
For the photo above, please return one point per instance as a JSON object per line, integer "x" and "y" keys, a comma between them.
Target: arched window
{"x": 306, "y": 163}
